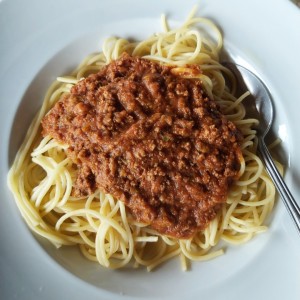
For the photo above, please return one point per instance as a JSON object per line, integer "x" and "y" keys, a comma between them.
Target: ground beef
{"x": 154, "y": 140}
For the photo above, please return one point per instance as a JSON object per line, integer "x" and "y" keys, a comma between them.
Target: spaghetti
{"x": 42, "y": 175}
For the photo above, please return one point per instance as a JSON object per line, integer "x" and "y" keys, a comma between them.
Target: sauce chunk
{"x": 152, "y": 139}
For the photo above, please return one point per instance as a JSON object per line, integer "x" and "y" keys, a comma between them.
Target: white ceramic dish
{"x": 40, "y": 40}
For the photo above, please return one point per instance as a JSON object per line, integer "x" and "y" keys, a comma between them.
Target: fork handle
{"x": 282, "y": 188}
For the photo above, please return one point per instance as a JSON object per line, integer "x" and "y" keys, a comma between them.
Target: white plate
{"x": 40, "y": 40}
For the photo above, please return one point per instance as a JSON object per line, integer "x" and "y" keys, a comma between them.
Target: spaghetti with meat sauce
{"x": 152, "y": 138}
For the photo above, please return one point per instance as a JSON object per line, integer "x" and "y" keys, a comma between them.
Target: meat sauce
{"x": 152, "y": 139}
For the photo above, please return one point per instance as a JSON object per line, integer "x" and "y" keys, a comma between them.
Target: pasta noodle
{"x": 41, "y": 176}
